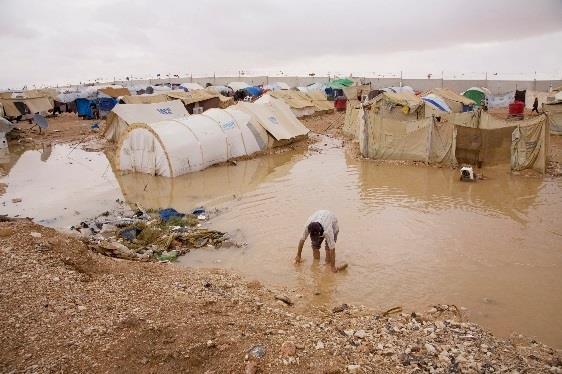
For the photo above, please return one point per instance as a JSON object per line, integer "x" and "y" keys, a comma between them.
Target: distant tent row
{"x": 163, "y": 139}
{"x": 301, "y": 103}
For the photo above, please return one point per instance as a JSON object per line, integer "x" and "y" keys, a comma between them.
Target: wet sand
{"x": 413, "y": 236}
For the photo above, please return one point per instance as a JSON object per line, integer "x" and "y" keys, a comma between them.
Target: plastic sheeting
{"x": 436, "y": 102}
{"x": 554, "y": 112}
{"x": 529, "y": 145}
{"x": 501, "y": 101}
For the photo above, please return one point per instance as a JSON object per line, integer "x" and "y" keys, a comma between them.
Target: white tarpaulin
{"x": 123, "y": 115}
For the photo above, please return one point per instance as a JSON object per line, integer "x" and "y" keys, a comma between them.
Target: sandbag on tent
{"x": 124, "y": 115}
{"x": 276, "y": 118}
{"x": 184, "y": 145}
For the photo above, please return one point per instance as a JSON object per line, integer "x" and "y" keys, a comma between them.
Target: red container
{"x": 340, "y": 103}
{"x": 516, "y": 108}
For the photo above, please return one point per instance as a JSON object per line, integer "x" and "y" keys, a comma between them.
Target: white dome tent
{"x": 184, "y": 145}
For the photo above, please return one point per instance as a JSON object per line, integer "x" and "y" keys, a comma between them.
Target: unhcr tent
{"x": 299, "y": 103}
{"x": 277, "y": 86}
{"x": 183, "y": 145}
{"x": 436, "y": 102}
{"x": 15, "y": 107}
{"x": 191, "y": 86}
{"x": 124, "y": 115}
{"x": 276, "y": 118}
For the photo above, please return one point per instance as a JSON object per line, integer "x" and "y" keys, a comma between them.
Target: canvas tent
{"x": 113, "y": 92}
{"x": 191, "y": 86}
{"x": 144, "y": 99}
{"x": 16, "y": 107}
{"x": 554, "y": 112}
{"x": 453, "y": 138}
{"x": 174, "y": 147}
{"x": 124, "y": 115}
{"x": 198, "y": 98}
{"x": 299, "y": 103}
{"x": 274, "y": 121}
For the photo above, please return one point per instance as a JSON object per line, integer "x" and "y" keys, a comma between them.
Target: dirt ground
{"x": 64, "y": 128}
{"x": 64, "y": 308}
{"x": 67, "y": 309}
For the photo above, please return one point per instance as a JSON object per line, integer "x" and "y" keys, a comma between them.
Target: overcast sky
{"x": 50, "y": 42}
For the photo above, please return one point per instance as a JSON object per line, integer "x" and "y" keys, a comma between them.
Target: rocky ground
{"x": 67, "y": 309}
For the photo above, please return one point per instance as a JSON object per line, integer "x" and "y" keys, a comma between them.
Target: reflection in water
{"x": 208, "y": 187}
{"x": 413, "y": 236}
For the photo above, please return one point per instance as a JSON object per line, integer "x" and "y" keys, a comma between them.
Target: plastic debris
{"x": 166, "y": 214}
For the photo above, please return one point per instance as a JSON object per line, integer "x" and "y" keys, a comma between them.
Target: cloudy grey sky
{"x": 62, "y": 41}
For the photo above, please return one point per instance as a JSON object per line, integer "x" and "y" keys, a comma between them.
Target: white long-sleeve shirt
{"x": 329, "y": 223}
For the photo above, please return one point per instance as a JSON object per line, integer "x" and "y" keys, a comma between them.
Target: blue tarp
{"x": 83, "y": 107}
{"x": 105, "y": 104}
{"x": 253, "y": 91}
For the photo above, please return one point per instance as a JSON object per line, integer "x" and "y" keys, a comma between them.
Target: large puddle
{"x": 413, "y": 236}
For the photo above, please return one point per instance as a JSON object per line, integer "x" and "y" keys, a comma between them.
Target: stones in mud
{"x": 340, "y": 308}
{"x": 288, "y": 349}
{"x": 319, "y": 345}
{"x": 285, "y": 299}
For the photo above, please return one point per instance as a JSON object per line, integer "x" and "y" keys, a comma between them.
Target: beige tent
{"x": 475, "y": 137}
{"x": 320, "y": 101}
{"x": 114, "y": 92}
{"x": 225, "y": 101}
{"x": 124, "y": 115}
{"x": 144, "y": 99}
{"x": 299, "y": 103}
{"x": 198, "y": 98}
{"x": 554, "y": 112}
{"x": 33, "y": 105}
{"x": 274, "y": 122}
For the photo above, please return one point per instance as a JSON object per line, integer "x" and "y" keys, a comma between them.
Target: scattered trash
{"x": 396, "y": 309}
{"x": 198, "y": 211}
{"x": 257, "y": 351}
{"x": 168, "y": 256}
{"x": 35, "y": 234}
{"x": 16, "y": 200}
{"x": 166, "y": 214}
{"x": 284, "y": 299}
{"x": 467, "y": 174}
{"x": 95, "y": 126}
{"x": 129, "y": 233}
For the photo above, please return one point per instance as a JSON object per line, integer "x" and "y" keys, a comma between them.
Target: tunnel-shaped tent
{"x": 174, "y": 147}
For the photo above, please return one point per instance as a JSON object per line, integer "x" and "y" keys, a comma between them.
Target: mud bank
{"x": 65, "y": 308}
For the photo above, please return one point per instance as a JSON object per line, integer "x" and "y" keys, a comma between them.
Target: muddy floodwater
{"x": 412, "y": 236}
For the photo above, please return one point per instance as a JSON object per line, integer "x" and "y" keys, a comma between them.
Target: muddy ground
{"x": 67, "y": 309}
